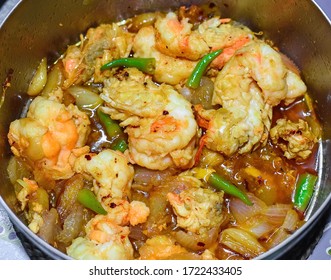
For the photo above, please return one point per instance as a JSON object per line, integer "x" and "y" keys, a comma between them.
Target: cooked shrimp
{"x": 295, "y": 139}
{"x": 105, "y": 240}
{"x": 159, "y": 121}
{"x": 160, "y": 247}
{"x": 176, "y": 38}
{"x": 228, "y": 37}
{"x": 168, "y": 69}
{"x": 197, "y": 209}
{"x": 50, "y": 138}
{"x": 101, "y": 45}
{"x": 250, "y": 84}
{"x": 111, "y": 172}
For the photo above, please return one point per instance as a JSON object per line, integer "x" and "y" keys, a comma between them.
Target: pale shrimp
{"x": 248, "y": 87}
{"x": 111, "y": 172}
{"x": 105, "y": 240}
{"x": 159, "y": 121}
{"x": 50, "y": 138}
{"x": 101, "y": 45}
{"x": 197, "y": 209}
{"x": 168, "y": 69}
{"x": 160, "y": 247}
{"x": 295, "y": 139}
{"x": 176, "y": 38}
{"x": 227, "y": 36}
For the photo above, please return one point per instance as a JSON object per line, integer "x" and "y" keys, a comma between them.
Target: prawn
{"x": 111, "y": 172}
{"x": 50, "y": 138}
{"x": 253, "y": 81}
{"x": 100, "y": 45}
{"x": 160, "y": 124}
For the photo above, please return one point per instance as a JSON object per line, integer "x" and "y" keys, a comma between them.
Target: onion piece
{"x": 86, "y": 98}
{"x": 277, "y": 213}
{"x": 242, "y": 242}
{"x": 241, "y": 212}
{"x": 196, "y": 242}
{"x": 39, "y": 79}
{"x": 258, "y": 225}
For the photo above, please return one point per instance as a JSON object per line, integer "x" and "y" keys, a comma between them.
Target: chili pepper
{"x": 146, "y": 65}
{"x": 195, "y": 78}
{"x": 114, "y": 131}
{"x": 87, "y": 198}
{"x": 215, "y": 180}
{"x": 219, "y": 183}
{"x": 304, "y": 190}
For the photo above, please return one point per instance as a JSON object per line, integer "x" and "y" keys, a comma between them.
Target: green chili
{"x": 114, "y": 131}
{"x": 219, "y": 183}
{"x": 199, "y": 70}
{"x": 304, "y": 190}
{"x": 87, "y": 198}
{"x": 146, "y": 65}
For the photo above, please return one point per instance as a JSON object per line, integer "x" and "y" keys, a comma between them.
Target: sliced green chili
{"x": 114, "y": 131}
{"x": 221, "y": 184}
{"x": 146, "y": 65}
{"x": 200, "y": 69}
{"x": 304, "y": 190}
{"x": 87, "y": 198}
{"x": 211, "y": 177}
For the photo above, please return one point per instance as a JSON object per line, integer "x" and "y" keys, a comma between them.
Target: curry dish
{"x": 169, "y": 135}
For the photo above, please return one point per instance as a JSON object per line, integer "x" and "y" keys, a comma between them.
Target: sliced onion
{"x": 242, "y": 242}
{"x": 277, "y": 213}
{"x": 241, "y": 212}
{"x": 196, "y": 242}
{"x": 289, "y": 226}
{"x": 258, "y": 225}
{"x": 86, "y": 97}
{"x": 39, "y": 79}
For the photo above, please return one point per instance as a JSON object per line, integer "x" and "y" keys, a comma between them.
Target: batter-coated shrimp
{"x": 111, "y": 172}
{"x": 159, "y": 121}
{"x": 50, "y": 138}
{"x": 250, "y": 84}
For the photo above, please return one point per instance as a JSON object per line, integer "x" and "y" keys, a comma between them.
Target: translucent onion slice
{"x": 39, "y": 79}
{"x": 85, "y": 97}
{"x": 196, "y": 242}
{"x": 277, "y": 213}
{"x": 289, "y": 226}
{"x": 242, "y": 242}
{"x": 258, "y": 225}
{"x": 241, "y": 212}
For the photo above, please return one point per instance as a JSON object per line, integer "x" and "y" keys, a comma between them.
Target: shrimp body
{"x": 159, "y": 121}
{"x": 168, "y": 69}
{"x": 105, "y": 240}
{"x": 176, "y": 38}
{"x": 253, "y": 81}
{"x": 197, "y": 209}
{"x": 50, "y": 138}
{"x": 111, "y": 172}
{"x": 101, "y": 45}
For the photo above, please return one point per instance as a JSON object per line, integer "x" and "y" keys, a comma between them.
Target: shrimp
{"x": 228, "y": 37}
{"x": 176, "y": 38}
{"x": 248, "y": 87}
{"x": 161, "y": 127}
{"x": 111, "y": 172}
{"x": 197, "y": 209}
{"x": 168, "y": 69}
{"x": 298, "y": 138}
{"x": 101, "y": 45}
{"x": 105, "y": 240}
{"x": 160, "y": 247}
{"x": 50, "y": 138}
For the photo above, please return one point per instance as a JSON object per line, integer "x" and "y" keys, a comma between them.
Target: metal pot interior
{"x": 35, "y": 29}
